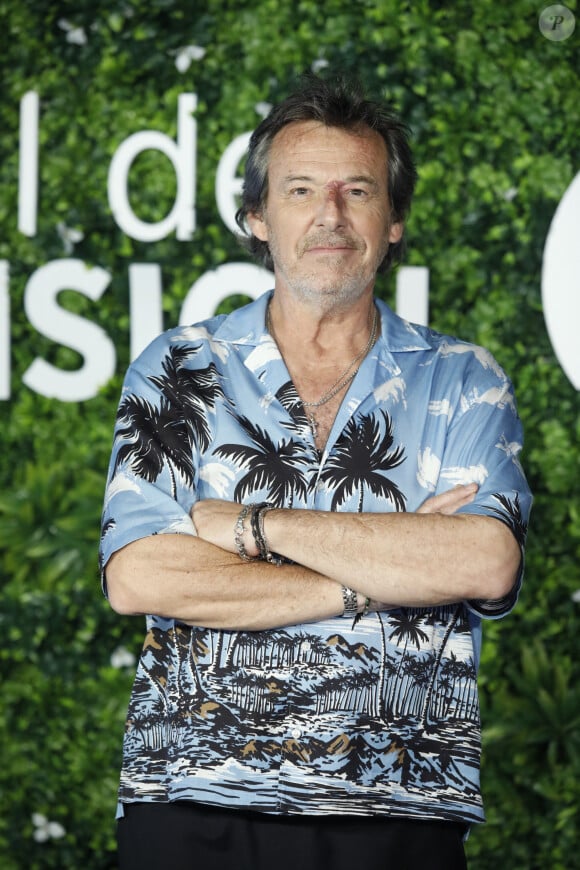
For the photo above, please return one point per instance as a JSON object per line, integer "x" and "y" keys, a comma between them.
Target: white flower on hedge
{"x": 186, "y": 54}
{"x": 45, "y": 830}
{"x": 122, "y": 658}
{"x": 510, "y": 194}
{"x": 318, "y": 64}
{"x": 576, "y": 597}
{"x": 74, "y": 35}
{"x": 70, "y": 237}
{"x": 263, "y": 109}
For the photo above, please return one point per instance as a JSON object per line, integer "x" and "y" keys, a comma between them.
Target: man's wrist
{"x": 250, "y": 539}
{"x": 258, "y": 530}
{"x": 243, "y": 538}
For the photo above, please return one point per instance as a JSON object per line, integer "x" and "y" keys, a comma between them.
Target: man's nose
{"x": 330, "y": 210}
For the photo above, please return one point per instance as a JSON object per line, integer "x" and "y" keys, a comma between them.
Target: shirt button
{"x": 296, "y": 733}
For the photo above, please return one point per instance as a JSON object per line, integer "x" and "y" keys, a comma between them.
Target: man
{"x": 318, "y": 502}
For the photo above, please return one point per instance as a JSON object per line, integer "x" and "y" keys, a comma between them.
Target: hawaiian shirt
{"x": 377, "y": 717}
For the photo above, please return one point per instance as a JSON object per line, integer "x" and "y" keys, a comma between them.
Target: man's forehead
{"x": 303, "y": 141}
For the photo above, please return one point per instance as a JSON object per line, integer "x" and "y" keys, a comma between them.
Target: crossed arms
{"x": 430, "y": 557}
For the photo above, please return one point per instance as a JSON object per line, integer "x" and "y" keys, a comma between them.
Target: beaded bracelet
{"x": 239, "y": 535}
{"x": 258, "y": 513}
{"x": 268, "y": 555}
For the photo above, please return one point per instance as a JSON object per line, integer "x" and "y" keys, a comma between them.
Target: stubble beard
{"x": 334, "y": 286}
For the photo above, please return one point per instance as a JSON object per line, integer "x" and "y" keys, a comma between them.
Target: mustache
{"x": 329, "y": 240}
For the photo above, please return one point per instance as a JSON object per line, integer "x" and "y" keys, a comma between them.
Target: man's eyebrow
{"x": 351, "y": 179}
{"x": 290, "y": 179}
{"x": 362, "y": 179}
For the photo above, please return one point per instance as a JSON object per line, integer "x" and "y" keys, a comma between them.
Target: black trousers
{"x": 184, "y": 835}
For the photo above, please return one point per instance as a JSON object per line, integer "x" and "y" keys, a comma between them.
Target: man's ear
{"x": 257, "y": 224}
{"x": 396, "y": 232}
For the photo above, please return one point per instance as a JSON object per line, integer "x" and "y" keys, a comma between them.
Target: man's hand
{"x": 450, "y": 501}
{"x": 214, "y": 521}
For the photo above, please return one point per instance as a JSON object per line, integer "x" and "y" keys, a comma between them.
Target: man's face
{"x": 327, "y": 215}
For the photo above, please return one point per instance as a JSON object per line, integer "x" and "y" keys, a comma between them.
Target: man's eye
{"x": 299, "y": 191}
{"x": 357, "y": 192}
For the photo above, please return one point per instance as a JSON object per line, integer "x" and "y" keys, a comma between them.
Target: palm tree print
{"x": 271, "y": 466}
{"x": 406, "y": 630}
{"x": 155, "y": 438}
{"x": 453, "y": 618}
{"x": 189, "y": 391}
{"x": 292, "y": 404}
{"x": 361, "y": 458}
{"x": 108, "y": 524}
{"x": 166, "y": 435}
{"x": 511, "y": 515}
{"x": 290, "y": 400}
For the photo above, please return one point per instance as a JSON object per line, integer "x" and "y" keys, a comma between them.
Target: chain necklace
{"x": 346, "y": 377}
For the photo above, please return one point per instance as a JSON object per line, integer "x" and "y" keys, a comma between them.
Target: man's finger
{"x": 450, "y": 501}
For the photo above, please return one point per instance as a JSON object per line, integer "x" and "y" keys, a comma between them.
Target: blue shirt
{"x": 381, "y": 717}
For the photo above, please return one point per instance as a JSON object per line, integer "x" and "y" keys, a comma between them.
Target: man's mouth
{"x": 322, "y": 246}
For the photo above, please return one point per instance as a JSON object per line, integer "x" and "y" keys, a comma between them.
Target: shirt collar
{"x": 247, "y": 326}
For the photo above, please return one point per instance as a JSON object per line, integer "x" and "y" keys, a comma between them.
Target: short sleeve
{"x": 151, "y": 479}
{"x": 483, "y": 446}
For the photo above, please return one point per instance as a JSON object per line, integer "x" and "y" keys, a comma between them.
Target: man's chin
{"x": 339, "y": 289}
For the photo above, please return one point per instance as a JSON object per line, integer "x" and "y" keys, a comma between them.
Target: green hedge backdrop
{"x": 493, "y": 108}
